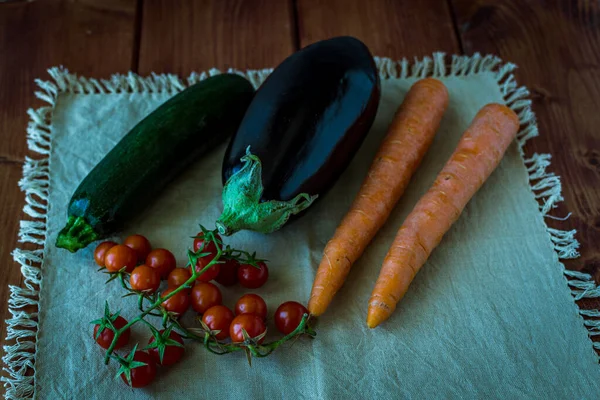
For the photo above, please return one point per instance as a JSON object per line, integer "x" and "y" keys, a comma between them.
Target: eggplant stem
{"x": 242, "y": 205}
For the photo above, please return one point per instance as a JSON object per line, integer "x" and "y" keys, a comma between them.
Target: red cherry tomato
{"x": 140, "y": 244}
{"x": 101, "y": 250}
{"x": 179, "y": 303}
{"x": 218, "y": 318}
{"x": 106, "y": 336}
{"x": 178, "y": 277}
{"x": 210, "y": 247}
{"x": 172, "y": 353}
{"x": 120, "y": 256}
{"x": 251, "y": 323}
{"x": 251, "y": 304}
{"x": 288, "y": 316}
{"x": 251, "y": 277}
{"x": 211, "y": 273}
{"x": 228, "y": 273}
{"x": 204, "y": 296}
{"x": 163, "y": 260}
{"x": 144, "y": 279}
{"x": 144, "y": 375}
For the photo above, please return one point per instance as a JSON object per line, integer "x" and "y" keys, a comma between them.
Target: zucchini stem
{"x": 77, "y": 234}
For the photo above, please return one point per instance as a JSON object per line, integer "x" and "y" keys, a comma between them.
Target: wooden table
{"x": 556, "y": 44}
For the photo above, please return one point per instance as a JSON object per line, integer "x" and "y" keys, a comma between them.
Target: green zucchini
{"x": 154, "y": 152}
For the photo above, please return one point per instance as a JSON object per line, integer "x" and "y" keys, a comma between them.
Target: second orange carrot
{"x": 478, "y": 153}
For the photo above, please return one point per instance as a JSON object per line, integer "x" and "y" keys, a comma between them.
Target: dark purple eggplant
{"x": 300, "y": 132}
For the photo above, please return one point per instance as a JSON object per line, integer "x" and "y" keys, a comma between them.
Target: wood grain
{"x": 555, "y": 43}
{"x": 91, "y": 37}
{"x": 389, "y": 28}
{"x": 197, "y": 35}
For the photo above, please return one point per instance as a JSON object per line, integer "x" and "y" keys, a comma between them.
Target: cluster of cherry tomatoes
{"x": 147, "y": 267}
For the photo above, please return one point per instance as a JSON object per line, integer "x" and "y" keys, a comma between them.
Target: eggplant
{"x": 303, "y": 127}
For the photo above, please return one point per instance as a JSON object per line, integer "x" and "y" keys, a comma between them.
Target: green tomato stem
{"x": 257, "y": 350}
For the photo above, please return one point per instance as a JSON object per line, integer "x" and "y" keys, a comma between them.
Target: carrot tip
{"x": 371, "y": 324}
{"x": 314, "y": 308}
{"x": 376, "y": 315}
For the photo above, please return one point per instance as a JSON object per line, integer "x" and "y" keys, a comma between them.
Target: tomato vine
{"x": 150, "y": 304}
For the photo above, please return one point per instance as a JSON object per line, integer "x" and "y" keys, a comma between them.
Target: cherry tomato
{"x": 172, "y": 353}
{"x": 106, "y": 336}
{"x": 163, "y": 260}
{"x": 251, "y": 323}
{"x": 210, "y": 247}
{"x": 251, "y": 277}
{"x": 140, "y": 244}
{"x": 218, "y": 318}
{"x": 179, "y": 303}
{"x": 205, "y": 295}
{"x": 144, "y": 279}
{"x": 251, "y": 304}
{"x": 210, "y": 273}
{"x": 228, "y": 273}
{"x": 101, "y": 250}
{"x": 178, "y": 277}
{"x": 144, "y": 375}
{"x": 120, "y": 256}
{"x": 288, "y": 316}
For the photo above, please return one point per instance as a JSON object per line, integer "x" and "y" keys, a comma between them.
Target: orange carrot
{"x": 408, "y": 138}
{"x": 477, "y": 155}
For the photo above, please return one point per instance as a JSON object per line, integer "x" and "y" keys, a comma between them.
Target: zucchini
{"x": 300, "y": 132}
{"x": 154, "y": 152}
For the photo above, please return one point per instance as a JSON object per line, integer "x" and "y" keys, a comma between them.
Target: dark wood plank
{"x": 197, "y": 35}
{"x": 557, "y": 47}
{"x": 390, "y": 28}
{"x": 91, "y": 37}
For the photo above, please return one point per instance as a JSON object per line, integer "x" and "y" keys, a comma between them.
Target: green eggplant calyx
{"x": 242, "y": 208}
{"x": 77, "y": 234}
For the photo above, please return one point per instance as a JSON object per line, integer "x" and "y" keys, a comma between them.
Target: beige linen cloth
{"x": 489, "y": 316}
